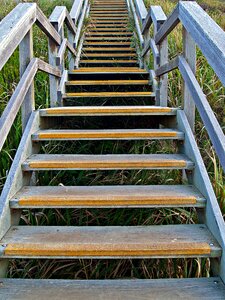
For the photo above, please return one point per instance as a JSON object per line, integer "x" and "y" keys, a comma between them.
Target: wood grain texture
{"x": 104, "y": 162}
{"x": 107, "y": 134}
{"x": 115, "y": 241}
{"x": 106, "y": 70}
{"x": 108, "y": 110}
{"x": 107, "y": 82}
{"x": 141, "y": 289}
{"x": 108, "y": 94}
{"x": 108, "y": 196}
{"x": 14, "y": 27}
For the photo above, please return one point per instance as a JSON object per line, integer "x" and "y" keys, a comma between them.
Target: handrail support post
{"x": 189, "y": 53}
{"x": 25, "y": 56}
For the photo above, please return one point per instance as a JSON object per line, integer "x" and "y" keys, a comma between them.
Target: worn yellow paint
{"x": 113, "y": 61}
{"x": 76, "y": 164}
{"x": 101, "y": 200}
{"x": 104, "y": 134}
{"x": 110, "y": 70}
{"x": 109, "y": 94}
{"x": 97, "y": 110}
{"x": 107, "y": 249}
{"x": 110, "y": 54}
{"x": 107, "y": 82}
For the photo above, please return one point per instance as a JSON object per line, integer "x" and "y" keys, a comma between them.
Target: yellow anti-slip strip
{"x": 69, "y": 135}
{"x": 102, "y": 201}
{"x": 105, "y": 165}
{"x": 109, "y": 249}
{"x": 106, "y": 110}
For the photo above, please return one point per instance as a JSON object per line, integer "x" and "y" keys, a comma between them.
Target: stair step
{"x": 107, "y": 134}
{"x": 122, "y": 44}
{"x": 97, "y": 21}
{"x": 107, "y": 110}
{"x": 112, "y": 55}
{"x": 109, "y": 242}
{"x": 108, "y": 38}
{"x": 134, "y": 289}
{"x": 107, "y": 82}
{"x": 106, "y": 162}
{"x": 100, "y": 29}
{"x": 105, "y": 70}
{"x": 108, "y": 94}
{"x": 109, "y": 33}
{"x": 96, "y": 49}
{"x": 108, "y": 61}
{"x": 107, "y": 196}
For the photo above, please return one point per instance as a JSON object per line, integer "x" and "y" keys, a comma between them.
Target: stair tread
{"x": 106, "y": 70}
{"x": 87, "y": 49}
{"x": 66, "y": 134}
{"x": 107, "y": 82}
{"x": 107, "y": 110}
{"x": 107, "y": 196}
{"x": 191, "y": 240}
{"x": 111, "y": 61}
{"x": 108, "y": 161}
{"x": 143, "y": 289}
{"x": 109, "y": 54}
{"x": 108, "y": 94}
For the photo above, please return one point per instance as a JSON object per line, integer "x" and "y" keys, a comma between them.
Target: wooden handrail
{"x": 210, "y": 38}
{"x": 211, "y": 124}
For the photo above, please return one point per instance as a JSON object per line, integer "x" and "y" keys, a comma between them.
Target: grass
{"x": 85, "y": 269}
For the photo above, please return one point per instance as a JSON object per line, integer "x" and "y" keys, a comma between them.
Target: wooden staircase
{"x": 108, "y": 84}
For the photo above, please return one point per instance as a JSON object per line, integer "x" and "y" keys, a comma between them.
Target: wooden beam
{"x": 47, "y": 27}
{"x": 14, "y": 27}
{"x": 141, "y": 10}
{"x": 49, "y": 69}
{"x": 209, "y": 37}
{"x": 137, "y": 25}
{"x": 61, "y": 53}
{"x": 57, "y": 17}
{"x": 168, "y": 67}
{"x": 189, "y": 53}
{"x": 10, "y": 112}
{"x": 80, "y": 25}
{"x": 26, "y": 55}
{"x": 211, "y": 124}
{"x": 76, "y": 9}
{"x": 168, "y": 25}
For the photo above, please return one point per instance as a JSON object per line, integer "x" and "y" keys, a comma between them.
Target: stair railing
{"x": 16, "y": 30}
{"x": 198, "y": 29}
{"x": 79, "y": 12}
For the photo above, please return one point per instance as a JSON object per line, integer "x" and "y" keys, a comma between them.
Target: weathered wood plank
{"x": 26, "y": 55}
{"x": 211, "y": 124}
{"x": 62, "y": 86}
{"x": 142, "y": 289}
{"x": 14, "y": 27}
{"x": 80, "y": 24}
{"x": 108, "y": 110}
{"x": 110, "y": 241}
{"x": 138, "y": 28}
{"x": 141, "y": 10}
{"x": 47, "y": 27}
{"x": 108, "y": 196}
{"x": 108, "y": 94}
{"x": 213, "y": 216}
{"x": 10, "y": 112}
{"x": 168, "y": 25}
{"x": 16, "y": 179}
{"x": 168, "y": 67}
{"x": 106, "y": 162}
{"x": 57, "y": 17}
{"x": 209, "y": 37}
{"x": 47, "y": 68}
{"x": 189, "y": 53}
{"x": 107, "y": 134}
{"x": 76, "y": 10}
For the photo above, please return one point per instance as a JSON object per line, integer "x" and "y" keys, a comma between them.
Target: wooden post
{"x": 189, "y": 53}
{"x": 71, "y": 59}
{"x": 26, "y": 55}
{"x": 54, "y": 81}
{"x": 163, "y": 81}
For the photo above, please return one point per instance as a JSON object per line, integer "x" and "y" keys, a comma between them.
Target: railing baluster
{"x": 189, "y": 53}
{"x": 26, "y": 55}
